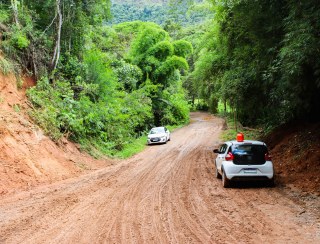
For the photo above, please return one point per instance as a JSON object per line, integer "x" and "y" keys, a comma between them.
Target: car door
{"x": 221, "y": 156}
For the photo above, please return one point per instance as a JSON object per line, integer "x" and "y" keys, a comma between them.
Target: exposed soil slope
{"x": 295, "y": 148}
{"x": 27, "y": 157}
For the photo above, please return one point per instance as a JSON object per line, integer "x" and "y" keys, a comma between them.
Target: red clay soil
{"x": 295, "y": 149}
{"x": 27, "y": 156}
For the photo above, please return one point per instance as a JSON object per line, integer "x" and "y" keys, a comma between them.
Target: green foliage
{"x": 182, "y": 48}
{"x": 260, "y": 57}
{"x": 110, "y": 124}
{"x": 153, "y": 52}
{"x": 30, "y": 37}
{"x": 183, "y": 12}
{"x": 110, "y": 85}
{"x": 230, "y": 133}
{"x": 127, "y": 74}
{"x": 71, "y": 68}
{"x": 4, "y": 16}
{"x": 99, "y": 72}
{"x": 19, "y": 39}
{"x": 178, "y": 110}
{"x": 145, "y": 40}
{"x": 46, "y": 113}
{"x": 135, "y": 146}
{"x": 161, "y": 50}
{"x": 167, "y": 69}
{"x": 6, "y": 67}
{"x": 16, "y": 108}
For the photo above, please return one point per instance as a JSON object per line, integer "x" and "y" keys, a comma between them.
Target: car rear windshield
{"x": 249, "y": 154}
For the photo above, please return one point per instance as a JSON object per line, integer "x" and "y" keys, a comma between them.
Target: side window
{"x": 223, "y": 148}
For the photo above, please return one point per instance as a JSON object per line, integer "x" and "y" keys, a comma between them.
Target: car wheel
{"x": 271, "y": 183}
{"x": 217, "y": 174}
{"x": 225, "y": 180}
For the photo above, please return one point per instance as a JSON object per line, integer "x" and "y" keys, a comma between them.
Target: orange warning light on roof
{"x": 240, "y": 137}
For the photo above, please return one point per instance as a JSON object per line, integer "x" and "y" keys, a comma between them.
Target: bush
{"x": 6, "y": 67}
{"x": 109, "y": 124}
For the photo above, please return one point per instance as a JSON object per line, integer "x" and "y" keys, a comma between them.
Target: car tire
{"x": 217, "y": 174}
{"x": 225, "y": 181}
{"x": 271, "y": 183}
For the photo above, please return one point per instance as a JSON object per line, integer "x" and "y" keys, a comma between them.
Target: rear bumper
{"x": 249, "y": 172}
{"x": 251, "y": 178}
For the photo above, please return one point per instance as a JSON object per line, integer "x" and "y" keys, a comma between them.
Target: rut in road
{"x": 166, "y": 194}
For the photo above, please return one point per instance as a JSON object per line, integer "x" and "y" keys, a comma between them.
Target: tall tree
{"x": 57, "y": 47}
{"x": 161, "y": 62}
{"x": 14, "y": 6}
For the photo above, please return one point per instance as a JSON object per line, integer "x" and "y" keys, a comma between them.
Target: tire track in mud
{"x": 166, "y": 194}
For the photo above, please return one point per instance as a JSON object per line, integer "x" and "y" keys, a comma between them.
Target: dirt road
{"x": 166, "y": 194}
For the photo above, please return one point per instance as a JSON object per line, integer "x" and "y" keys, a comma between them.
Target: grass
{"x": 132, "y": 148}
{"x": 5, "y": 66}
{"x": 230, "y": 133}
{"x": 16, "y": 108}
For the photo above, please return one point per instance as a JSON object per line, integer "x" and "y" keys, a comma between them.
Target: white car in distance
{"x": 158, "y": 135}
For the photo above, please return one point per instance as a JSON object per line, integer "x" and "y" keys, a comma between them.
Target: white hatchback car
{"x": 243, "y": 160}
{"x": 158, "y": 135}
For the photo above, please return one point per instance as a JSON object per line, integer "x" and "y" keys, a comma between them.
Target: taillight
{"x": 229, "y": 157}
{"x": 267, "y": 157}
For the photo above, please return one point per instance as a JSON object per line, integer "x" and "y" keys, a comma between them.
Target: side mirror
{"x": 216, "y": 151}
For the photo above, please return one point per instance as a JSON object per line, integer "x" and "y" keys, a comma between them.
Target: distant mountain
{"x": 141, "y": 2}
{"x": 158, "y": 11}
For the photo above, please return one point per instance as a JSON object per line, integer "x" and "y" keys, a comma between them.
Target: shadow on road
{"x": 252, "y": 184}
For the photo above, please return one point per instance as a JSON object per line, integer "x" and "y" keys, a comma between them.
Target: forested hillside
{"x": 97, "y": 85}
{"x": 161, "y": 12}
{"x": 103, "y": 83}
{"x": 261, "y": 59}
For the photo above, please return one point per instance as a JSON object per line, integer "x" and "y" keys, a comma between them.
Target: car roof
{"x": 234, "y": 142}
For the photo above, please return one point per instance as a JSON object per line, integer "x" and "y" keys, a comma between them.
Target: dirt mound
{"x": 27, "y": 156}
{"x": 295, "y": 149}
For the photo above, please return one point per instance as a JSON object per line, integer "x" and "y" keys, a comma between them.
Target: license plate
{"x": 250, "y": 171}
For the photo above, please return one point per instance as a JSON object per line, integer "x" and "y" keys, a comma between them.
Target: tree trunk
{"x": 56, "y": 53}
{"x": 14, "y": 6}
{"x": 235, "y": 119}
{"x": 3, "y": 28}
